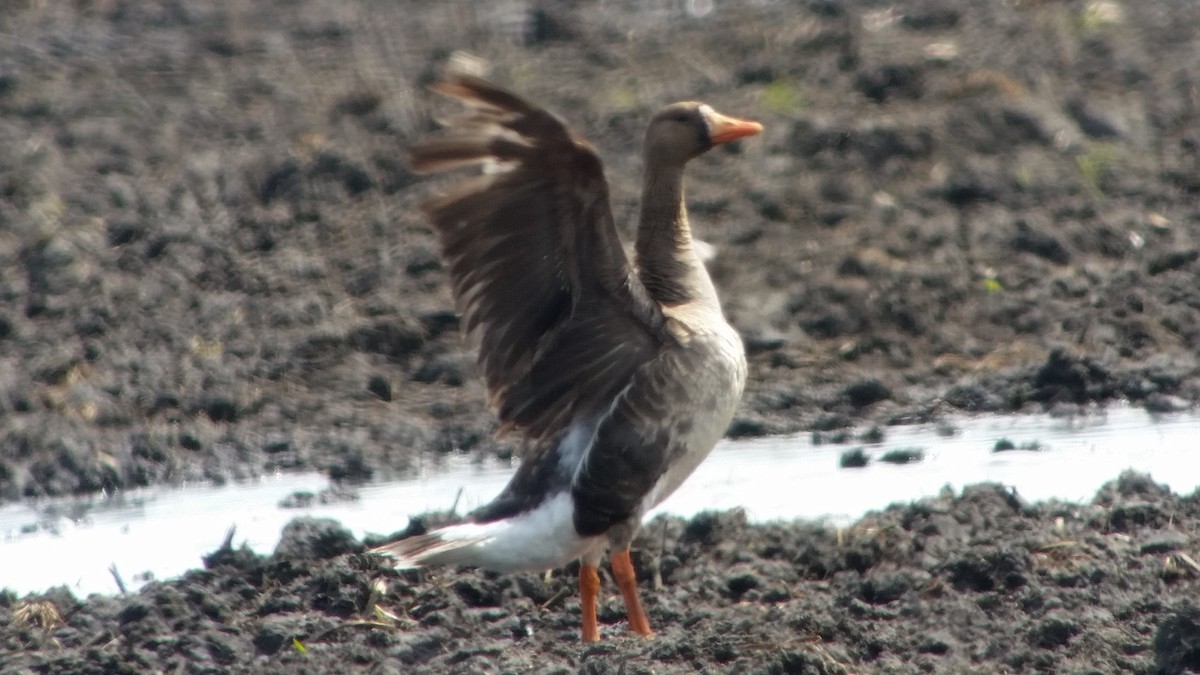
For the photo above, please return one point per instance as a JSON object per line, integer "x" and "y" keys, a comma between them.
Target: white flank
{"x": 572, "y": 447}
{"x": 541, "y": 539}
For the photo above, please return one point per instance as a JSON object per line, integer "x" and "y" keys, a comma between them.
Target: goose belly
{"x": 715, "y": 390}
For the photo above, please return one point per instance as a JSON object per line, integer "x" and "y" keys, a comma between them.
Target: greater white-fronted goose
{"x": 620, "y": 378}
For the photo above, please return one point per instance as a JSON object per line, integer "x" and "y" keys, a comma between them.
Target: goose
{"x": 617, "y": 377}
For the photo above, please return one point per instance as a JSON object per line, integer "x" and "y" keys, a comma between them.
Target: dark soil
{"x": 211, "y": 267}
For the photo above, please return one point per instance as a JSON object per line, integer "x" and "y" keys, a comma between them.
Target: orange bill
{"x": 722, "y": 129}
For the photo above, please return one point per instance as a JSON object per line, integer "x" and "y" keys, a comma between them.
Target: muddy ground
{"x": 979, "y": 582}
{"x": 211, "y": 267}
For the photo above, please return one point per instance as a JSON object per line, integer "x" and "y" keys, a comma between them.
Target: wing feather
{"x": 538, "y": 272}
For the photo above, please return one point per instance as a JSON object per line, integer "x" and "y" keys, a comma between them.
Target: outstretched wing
{"x": 538, "y": 271}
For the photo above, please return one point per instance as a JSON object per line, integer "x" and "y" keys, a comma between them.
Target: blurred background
{"x": 212, "y": 264}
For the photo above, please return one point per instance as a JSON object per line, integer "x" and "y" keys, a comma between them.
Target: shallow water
{"x": 164, "y": 531}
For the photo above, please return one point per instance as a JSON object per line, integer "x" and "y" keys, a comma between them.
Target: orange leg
{"x": 589, "y": 588}
{"x": 622, "y": 568}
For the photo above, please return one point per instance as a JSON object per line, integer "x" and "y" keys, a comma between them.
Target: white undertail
{"x": 537, "y": 540}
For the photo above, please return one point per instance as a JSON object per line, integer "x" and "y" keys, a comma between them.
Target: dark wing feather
{"x": 634, "y": 444}
{"x": 538, "y": 271}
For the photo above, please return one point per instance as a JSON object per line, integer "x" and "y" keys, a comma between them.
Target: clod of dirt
{"x": 903, "y": 456}
{"x": 987, "y": 569}
{"x": 866, "y": 392}
{"x": 316, "y": 539}
{"x": 1177, "y": 642}
{"x": 1073, "y": 379}
{"x": 854, "y": 458}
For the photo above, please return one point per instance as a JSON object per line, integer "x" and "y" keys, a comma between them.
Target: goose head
{"x": 682, "y": 131}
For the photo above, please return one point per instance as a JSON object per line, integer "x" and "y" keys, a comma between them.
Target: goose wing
{"x": 538, "y": 271}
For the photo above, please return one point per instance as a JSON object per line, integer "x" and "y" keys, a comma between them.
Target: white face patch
{"x": 706, "y": 113}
